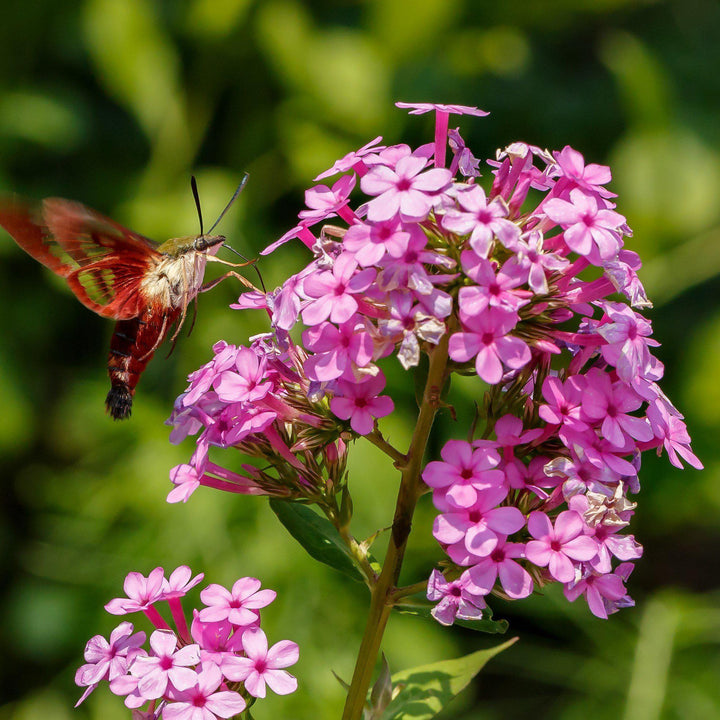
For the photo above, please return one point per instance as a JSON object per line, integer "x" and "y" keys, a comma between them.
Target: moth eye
{"x": 201, "y": 243}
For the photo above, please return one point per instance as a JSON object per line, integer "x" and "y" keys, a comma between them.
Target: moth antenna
{"x": 193, "y": 185}
{"x": 251, "y": 262}
{"x": 232, "y": 200}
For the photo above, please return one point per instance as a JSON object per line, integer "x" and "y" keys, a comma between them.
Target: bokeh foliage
{"x": 116, "y": 103}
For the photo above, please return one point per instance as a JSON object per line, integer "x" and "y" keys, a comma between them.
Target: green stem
{"x": 382, "y": 601}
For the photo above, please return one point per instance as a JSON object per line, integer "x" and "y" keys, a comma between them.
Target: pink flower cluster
{"x": 214, "y": 669}
{"x": 529, "y": 282}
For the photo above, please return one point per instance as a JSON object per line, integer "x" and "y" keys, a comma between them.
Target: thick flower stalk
{"x": 523, "y": 282}
{"x": 216, "y": 668}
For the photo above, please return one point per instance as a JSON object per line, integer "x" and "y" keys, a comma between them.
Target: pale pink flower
{"x": 500, "y": 563}
{"x": 142, "y": 592}
{"x": 420, "y": 108}
{"x": 352, "y": 160}
{"x": 361, "y": 403}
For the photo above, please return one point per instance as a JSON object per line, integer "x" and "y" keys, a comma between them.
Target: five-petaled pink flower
{"x": 557, "y": 547}
{"x": 238, "y": 605}
{"x": 264, "y": 666}
{"x": 203, "y": 701}
{"x": 361, "y": 403}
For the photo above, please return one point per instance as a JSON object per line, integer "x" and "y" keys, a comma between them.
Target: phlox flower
{"x": 331, "y": 292}
{"x": 353, "y": 160}
{"x": 361, "y": 403}
{"x": 463, "y": 474}
{"x": 370, "y": 242}
{"x": 108, "y": 659}
{"x": 492, "y": 289}
{"x": 500, "y": 563}
{"x": 203, "y": 701}
{"x": 238, "y": 605}
{"x": 142, "y": 592}
{"x": 454, "y": 598}
{"x": 180, "y": 582}
{"x": 602, "y": 592}
{"x": 338, "y": 349}
{"x": 324, "y": 202}
{"x": 592, "y": 177}
{"x": 262, "y": 666}
{"x": 166, "y": 665}
{"x": 536, "y": 262}
{"x": 608, "y": 404}
{"x": 246, "y": 382}
{"x": 463, "y": 159}
{"x": 485, "y": 337}
{"x": 556, "y": 547}
{"x": 405, "y": 189}
{"x": 589, "y": 229}
{"x": 563, "y": 402}
{"x": 671, "y": 430}
{"x": 481, "y": 220}
{"x": 420, "y": 108}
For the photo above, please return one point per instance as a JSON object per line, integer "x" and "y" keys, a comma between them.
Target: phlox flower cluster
{"x": 523, "y": 281}
{"x": 215, "y": 668}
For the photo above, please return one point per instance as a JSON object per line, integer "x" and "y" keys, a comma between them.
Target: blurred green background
{"x": 117, "y": 102}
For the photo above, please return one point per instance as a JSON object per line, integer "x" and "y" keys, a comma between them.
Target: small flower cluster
{"x": 214, "y": 669}
{"x": 526, "y": 284}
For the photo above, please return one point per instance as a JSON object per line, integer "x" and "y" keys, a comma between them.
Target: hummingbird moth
{"x": 143, "y": 285}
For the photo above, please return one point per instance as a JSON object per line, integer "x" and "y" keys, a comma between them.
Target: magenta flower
{"x": 166, "y": 665}
{"x": 332, "y": 291}
{"x": 669, "y": 428}
{"x": 369, "y": 243}
{"x": 564, "y": 402}
{"x": 405, "y": 189}
{"x": 324, "y": 202}
{"x": 238, "y": 605}
{"x": 246, "y": 383}
{"x": 500, "y": 563}
{"x": 107, "y": 660}
{"x": 486, "y": 339}
{"x": 264, "y": 667}
{"x": 589, "y": 229}
{"x": 180, "y": 582}
{"x": 557, "y": 547}
{"x": 454, "y": 598}
{"x": 536, "y": 261}
{"x": 481, "y": 220}
{"x": 203, "y": 701}
{"x": 493, "y": 289}
{"x": 361, "y": 404}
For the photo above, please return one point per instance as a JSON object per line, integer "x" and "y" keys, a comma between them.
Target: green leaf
{"x": 427, "y": 689}
{"x": 317, "y": 535}
{"x": 422, "y": 608}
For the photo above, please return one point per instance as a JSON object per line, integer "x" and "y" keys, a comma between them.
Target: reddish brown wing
{"x": 102, "y": 262}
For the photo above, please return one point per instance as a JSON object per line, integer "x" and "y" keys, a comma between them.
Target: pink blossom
{"x": 352, "y": 159}
{"x": 515, "y": 580}
{"x": 589, "y": 177}
{"x": 180, "y": 582}
{"x": 107, "y": 660}
{"x": 405, "y": 189}
{"x": 463, "y": 474}
{"x": 246, "y": 383}
{"x": 486, "y": 339}
{"x": 557, "y": 547}
{"x": 609, "y": 403}
{"x": 142, "y": 592}
{"x": 332, "y": 291}
{"x": 454, "y": 598}
{"x": 669, "y": 428}
{"x": 564, "y": 402}
{"x": 477, "y": 527}
{"x": 361, "y": 403}
{"x": 203, "y": 701}
{"x": 493, "y": 289}
{"x": 600, "y": 590}
{"x": 238, "y": 605}
{"x": 369, "y": 243}
{"x": 338, "y": 349}
{"x": 264, "y": 666}
{"x": 536, "y": 261}
{"x": 166, "y": 665}
{"x": 589, "y": 229}
{"x": 481, "y": 220}
{"x": 463, "y": 159}
{"x": 324, "y": 202}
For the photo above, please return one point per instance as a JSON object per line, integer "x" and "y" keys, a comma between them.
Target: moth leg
{"x": 217, "y": 281}
{"x": 212, "y": 258}
{"x": 160, "y": 338}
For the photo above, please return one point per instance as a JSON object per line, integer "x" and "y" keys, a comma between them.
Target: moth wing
{"x": 102, "y": 262}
